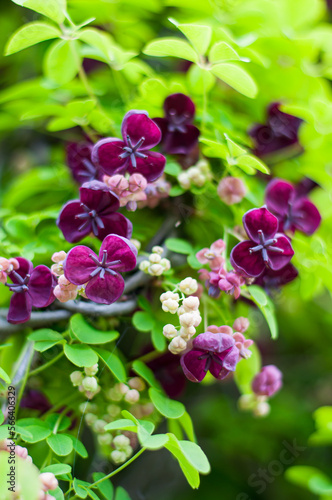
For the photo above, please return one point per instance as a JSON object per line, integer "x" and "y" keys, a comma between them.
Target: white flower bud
{"x": 170, "y": 305}
{"x": 48, "y": 480}
{"x": 144, "y": 265}
{"x": 187, "y": 319}
{"x": 132, "y": 396}
{"x": 136, "y": 243}
{"x": 197, "y": 318}
{"x": 155, "y": 270}
{"x": 113, "y": 410}
{"x": 169, "y": 331}
{"x": 169, "y": 295}
{"x": 121, "y": 441}
{"x": 99, "y": 426}
{"x": 166, "y": 264}
{"x": 246, "y": 402}
{"x": 191, "y": 303}
{"x": 177, "y": 345}
{"x": 90, "y": 418}
{"x": 104, "y": 439}
{"x": 90, "y": 384}
{"x": 181, "y": 311}
{"x": 76, "y": 378}
{"x": 114, "y": 394}
{"x": 154, "y": 258}
{"x": 118, "y": 457}
{"x": 158, "y": 250}
{"x": 91, "y": 370}
{"x": 200, "y": 180}
{"x": 188, "y": 286}
{"x": 123, "y": 388}
{"x": 137, "y": 383}
{"x": 128, "y": 451}
{"x": 184, "y": 180}
{"x": 187, "y": 333}
{"x": 262, "y": 409}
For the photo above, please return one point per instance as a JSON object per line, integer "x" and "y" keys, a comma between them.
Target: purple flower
{"x": 214, "y": 352}
{"x": 265, "y": 247}
{"x": 279, "y": 132}
{"x": 95, "y": 212}
{"x": 221, "y": 280}
{"x": 179, "y": 136}
{"x": 35, "y": 400}
{"x": 80, "y": 163}
{"x": 293, "y": 211}
{"x": 30, "y": 287}
{"x": 132, "y": 154}
{"x": 268, "y": 381}
{"x": 104, "y": 284}
{"x": 275, "y": 279}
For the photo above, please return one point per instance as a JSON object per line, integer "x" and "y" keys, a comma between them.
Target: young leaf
{"x": 157, "y": 337}
{"x": 4, "y": 376}
{"x": 80, "y": 488}
{"x": 199, "y": 36}
{"x": 80, "y": 354}
{"x": 89, "y": 335}
{"x": 62, "y": 61}
{"x": 30, "y": 34}
{"x": 100, "y": 40}
{"x": 252, "y": 162}
{"x": 54, "y": 9}
{"x": 78, "y": 446}
{"x": 106, "y": 487}
{"x": 187, "y": 424}
{"x": 221, "y": 51}
{"x": 114, "y": 364}
{"x": 187, "y": 468}
{"x": 57, "y": 469}
{"x": 45, "y": 334}
{"x": 167, "y": 407}
{"x": 247, "y": 369}
{"x": 121, "y": 494}
{"x": 237, "y": 78}
{"x": 61, "y": 445}
{"x": 171, "y": 47}
{"x": 146, "y": 373}
{"x": 122, "y": 423}
{"x": 154, "y": 442}
{"x": 143, "y": 321}
{"x": 195, "y": 456}
{"x": 178, "y": 245}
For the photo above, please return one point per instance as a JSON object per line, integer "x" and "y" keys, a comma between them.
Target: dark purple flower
{"x": 104, "y": 284}
{"x": 80, "y": 163}
{"x": 268, "y": 381}
{"x": 95, "y": 212}
{"x": 293, "y": 211}
{"x": 35, "y": 400}
{"x": 31, "y": 287}
{"x": 265, "y": 248}
{"x": 279, "y": 132}
{"x": 179, "y": 136}
{"x": 275, "y": 279}
{"x": 214, "y": 352}
{"x": 132, "y": 154}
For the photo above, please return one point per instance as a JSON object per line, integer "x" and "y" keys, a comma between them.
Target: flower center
{"x": 177, "y": 122}
{"x": 21, "y": 286}
{"x": 210, "y": 356}
{"x": 133, "y": 151}
{"x": 265, "y": 246}
{"x": 90, "y": 217}
{"x": 103, "y": 266}
{"x": 90, "y": 173}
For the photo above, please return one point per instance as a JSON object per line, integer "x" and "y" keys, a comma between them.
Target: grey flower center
{"x": 265, "y": 246}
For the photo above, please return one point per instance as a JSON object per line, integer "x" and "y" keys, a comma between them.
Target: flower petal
{"x": 181, "y": 104}
{"x": 251, "y": 264}
{"x": 25, "y": 268}
{"x": 80, "y": 163}
{"x": 41, "y": 286}
{"x": 150, "y": 167}
{"x": 105, "y": 290}
{"x": 214, "y": 342}
{"x": 278, "y": 195}
{"x": 305, "y": 216}
{"x": 106, "y": 153}
{"x": 260, "y": 219}
{"x": 137, "y": 124}
{"x": 231, "y": 359}
{"x": 279, "y": 260}
{"x": 78, "y": 265}
{"x": 119, "y": 248}
{"x": 180, "y": 142}
{"x": 275, "y": 279}
{"x": 19, "y": 308}
{"x": 193, "y": 368}
{"x": 97, "y": 196}
{"x": 69, "y": 224}
{"x": 115, "y": 223}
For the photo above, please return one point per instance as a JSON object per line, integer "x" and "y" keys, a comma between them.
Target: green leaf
{"x": 61, "y": 445}
{"x": 130, "y": 416}
{"x": 237, "y": 78}
{"x": 106, "y": 487}
{"x": 269, "y": 314}
{"x": 57, "y": 469}
{"x": 45, "y": 334}
{"x": 2, "y": 417}
{"x": 199, "y": 36}
{"x": 80, "y": 488}
{"x": 308, "y": 478}
{"x": 154, "y": 442}
{"x": 258, "y": 294}
{"x": 58, "y": 494}
{"x": 146, "y": 373}
{"x": 195, "y": 456}
{"x": 187, "y": 424}
{"x": 187, "y": 468}
{"x": 54, "y": 9}
{"x": 100, "y": 40}
{"x": 143, "y": 321}
{"x": 178, "y": 245}
{"x": 157, "y": 337}
{"x": 246, "y": 370}
{"x": 80, "y": 354}
{"x": 323, "y": 417}
{"x": 193, "y": 262}
{"x": 251, "y": 162}
{"x": 234, "y": 149}
{"x": 121, "y": 494}
{"x": 214, "y": 149}
{"x": 30, "y": 34}
{"x": 122, "y": 423}
{"x": 4, "y": 376}
{"x": 89, "y": 335}
{"x": 114, "y": 364}
{"x": 166, "y": 406}
{"x": 44, "y": 346}
{"x": 172, "y": 168}
{"x": 171, "y": 47}
{"x": 78, "y": 446}
{"x": 221, "y": 51}
{"x": 38, "y": 432}
{"x": 62, "y": 62}
{"x": 57, "y": 421}
{"x": 201, "y": 79}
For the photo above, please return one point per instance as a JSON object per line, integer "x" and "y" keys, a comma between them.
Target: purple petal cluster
{"x": 293, "y": 209}
{"x": 31, "y": 287}
{"x": 101, "y": 273}
{"x": 80, "y": 163}
{"x": 265, "y": 248}
{"x": 275, "y": 279}
{"x": 268, "y": 381}
{"x": 278, "y": 133}
{"x": 132, "y": 154}
{"x": 213, "y": 352}
{"x": 95, "y": 212}
{"x": 179, "y": 136}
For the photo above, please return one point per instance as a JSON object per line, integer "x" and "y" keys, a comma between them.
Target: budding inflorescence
{"x": 86, "y": 382}
{"x": 156, "y": 265}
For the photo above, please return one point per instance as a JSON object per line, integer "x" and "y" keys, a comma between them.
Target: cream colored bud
{"x": 184, "y": 180}
{"x": 121, "y": 441}
{"x": 157, "y": 249}
{"x": 191, "y": 303}
{"x": 197, "y": 318}
{"x": 177, "y": 345}
{"x": 154, "y": 258}
{"x": 99, "y": 425}
{"x": 90, "y": 418}
{"x": 91, "y": 370}
{"x": 123, "y": 388}
{"x": 262, "y": 409}
{"x": 166, "y": 264}
{"x": 187, "y": 333}
{"x": 136, "y": 243}
{"x": 76, "y": 378}
{"x": 137, "y": 383}
{"x": 118, "y": 457}
{"x": 246, "y": 402}
{"x": 48, "y": 480}
{"x": 169, "y": 295}
{"x": 188, "y": 286}
{"x": 113, "y": 410}
{"x": 90, "y": 384}
{"x": 169, "y": 331}
{"x": 187, "y": 319}
{"x": 170, "y": 305}
{"x": 104, "y": 439}
{"x": 144, "y": 266}
{"x": 132, "y": 396}
{"x": 155, "y": 270}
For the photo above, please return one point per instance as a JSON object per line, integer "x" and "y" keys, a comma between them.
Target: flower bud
{"x": 137, "y": 383}
{"x": 76, "y": 378}
{"x": 158, "y": 250}
{"x": 123, "y": 388}
{"x": 231, "y": 190}
{"x": 169, "y": 331}
{"x": 154, "y": 258}
{"x": 246, "y": 402}
{"x": 166, "y": 264}
{"x": 118, "y": 457}
{"x": 121, "y": 441}
{"x": 90, "y": 384}
{"x": 90, "y": 418}
{"x": 144, "y": 266}
{"x": 188, "y": 286}
{"x": 99, "y": 425}
{"x": 191, "y": 303}
{"x": 187, "y": 319}
{"x": 268, "y": 381}
{"x": 169, "y": 295}
{"x": 187, "y": 333}
{"x": 156, "y": 270}
{"x": 184, "y": 180}
{"x": 136, "y": 243}
{"x": 59, "y": 257}
{"x": 177, "y": 345}
{"x": 262, "y": 409}
{"x": 113, "y": 410}
{"x": 104, "y": 439}
{"x": 241, "y": 324}
{"x": 170, "y": 305}
{"x": 48, "y": 480}
{"x": 197, "y": 318}
{"x": 91, "y": 370}
{"x": 132, "y": 396}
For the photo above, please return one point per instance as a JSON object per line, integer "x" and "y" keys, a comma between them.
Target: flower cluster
{"x": 6, "y": 267}
{"x": 155, "y": 265}
{"x": 231, "y": 190}
{"x": 86, "y": 381}
{"x": 197, "y": 175}
{"x": 155, "y": 191}
{"x": 129, "y": 189}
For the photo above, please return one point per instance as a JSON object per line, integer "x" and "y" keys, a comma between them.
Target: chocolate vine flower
{"x": 95, "y": 212}
{"x": 132, "y": 154}
{"x": 294, "y": 212}
{"x": 104, "y": 284}
{"x": 214, "y": 352}
{"x": 266, "y": 248}
{"x": 268, "y": 381}
{"x": 279, "y": 132}
{"x": 179, "y": 136}
{"x": 80, "y": 163}
{"x": 31, "y": 287}
{"x": 275, "y": 279}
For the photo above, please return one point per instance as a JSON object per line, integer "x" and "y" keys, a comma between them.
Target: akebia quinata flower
{"x": 179, "y": 136}
{"x": 268, "y": 381}
{"x": 101, "y": 273}
{"x": 132, "y": 154}
{"x": 266, "y": 248}
{"x": 95, "y": 212}
{"x": 80, "y": 163}
{"x": 31, "y": 287}
{"x": 213, "y": 352}
{"x": 294, "y": 212}
{"x": 275, "y": 279}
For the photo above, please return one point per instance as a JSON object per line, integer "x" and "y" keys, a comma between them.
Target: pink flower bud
{"x": 137, "y": 182}
{"x": 268, "y": 381}
{"x": 231, "y": 190}
{"x": 59, "y": 257}
{"x": 48, "y": 480}
{"x": 241, "y": 324}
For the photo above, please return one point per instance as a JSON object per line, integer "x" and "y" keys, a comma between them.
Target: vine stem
{"x": 46, "y": 365}
{"x": 119, "y": 469}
